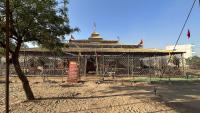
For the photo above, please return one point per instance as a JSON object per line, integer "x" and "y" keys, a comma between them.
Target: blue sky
{"x": 157, "y": 22}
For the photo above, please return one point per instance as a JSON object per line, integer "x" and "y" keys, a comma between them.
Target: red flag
{"x": 72, "y": 37}
{"x": 188, "y": 34}
{"x": 141, "y": 42}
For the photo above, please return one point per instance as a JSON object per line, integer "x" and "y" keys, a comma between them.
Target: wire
{"x": 181, "y": 32}
{"x": 184, "y": 25}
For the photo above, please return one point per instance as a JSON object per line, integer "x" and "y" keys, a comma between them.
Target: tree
{"x": 176, "y": 61}
{"x": 41, "y": 21}
{"x": 193, "y": 62}
{"x": 1, "y": 52}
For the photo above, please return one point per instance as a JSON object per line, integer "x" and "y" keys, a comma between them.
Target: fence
{"x": 130, "y": 65}
{"x": 101, "y": 65}
{"x": 39, "y": 65}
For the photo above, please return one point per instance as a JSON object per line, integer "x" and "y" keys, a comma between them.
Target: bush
{"x": 193, "y": 62}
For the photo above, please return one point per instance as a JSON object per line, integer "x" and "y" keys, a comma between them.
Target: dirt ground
{"x": 55, "y": 96}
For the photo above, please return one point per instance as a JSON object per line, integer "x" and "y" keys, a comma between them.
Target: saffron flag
{"x": 188, "y": 34}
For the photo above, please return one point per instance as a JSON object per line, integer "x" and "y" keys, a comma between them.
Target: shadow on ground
{"x": 182, "y": 96}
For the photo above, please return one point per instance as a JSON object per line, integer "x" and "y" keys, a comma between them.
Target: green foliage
{"x": 2, "y": 52}
{"x": 193, "y": 62}
{"x": 41, "y": 21}
{"x": 176, "y": 61}
{"x": 161, "y": 80}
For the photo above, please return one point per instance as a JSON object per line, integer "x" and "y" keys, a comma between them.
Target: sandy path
{"x": 57, "y": 97}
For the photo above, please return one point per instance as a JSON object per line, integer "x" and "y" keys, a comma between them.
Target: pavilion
{"x": 98, "y": 56}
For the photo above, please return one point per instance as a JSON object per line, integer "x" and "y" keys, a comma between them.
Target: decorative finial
{"x": 141, "y": 42}
{"x": 94, "y": 26}
{"x": 118, "y": 38}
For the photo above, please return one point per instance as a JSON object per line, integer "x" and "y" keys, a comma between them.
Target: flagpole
{"x": 180, "y": 34}
{"x": 94, "y": 27}
{"x": 184, "y": 24}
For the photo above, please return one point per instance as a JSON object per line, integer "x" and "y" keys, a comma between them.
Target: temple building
{"x": 98, "y": 56}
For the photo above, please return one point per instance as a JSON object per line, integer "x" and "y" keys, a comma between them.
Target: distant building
{"x": 187, "y": 48}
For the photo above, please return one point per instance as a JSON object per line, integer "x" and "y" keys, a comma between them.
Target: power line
{"x": 184, "y": 24}
{"x": 181, "y": 32}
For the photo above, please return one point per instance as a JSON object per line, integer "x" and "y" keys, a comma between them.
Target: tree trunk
{"x": 23, "y": 78}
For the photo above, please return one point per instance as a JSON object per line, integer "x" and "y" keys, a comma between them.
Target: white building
{"x": 185, "y": 48}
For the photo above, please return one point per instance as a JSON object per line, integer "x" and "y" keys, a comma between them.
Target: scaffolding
{"x": 103, "y": 62}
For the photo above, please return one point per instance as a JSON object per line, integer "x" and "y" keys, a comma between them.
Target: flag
{"x": 141, "y": 42}
{"x": 72, "y": 37}
{"x": 188, "y": 34}
{"x": 94, "y": 26}
{"x": 118, "y": 38}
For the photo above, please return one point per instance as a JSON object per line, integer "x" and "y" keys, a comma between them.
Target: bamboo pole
{"x": 97, "y": 66}
{"x": 150, "y": 69}
{"x": 103, "y": 68}
{"x": 85, "y": 67}
{"x": 79, "y": 64}
{"x": 131, "y": 65}
{"x": 128, "y": 66}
